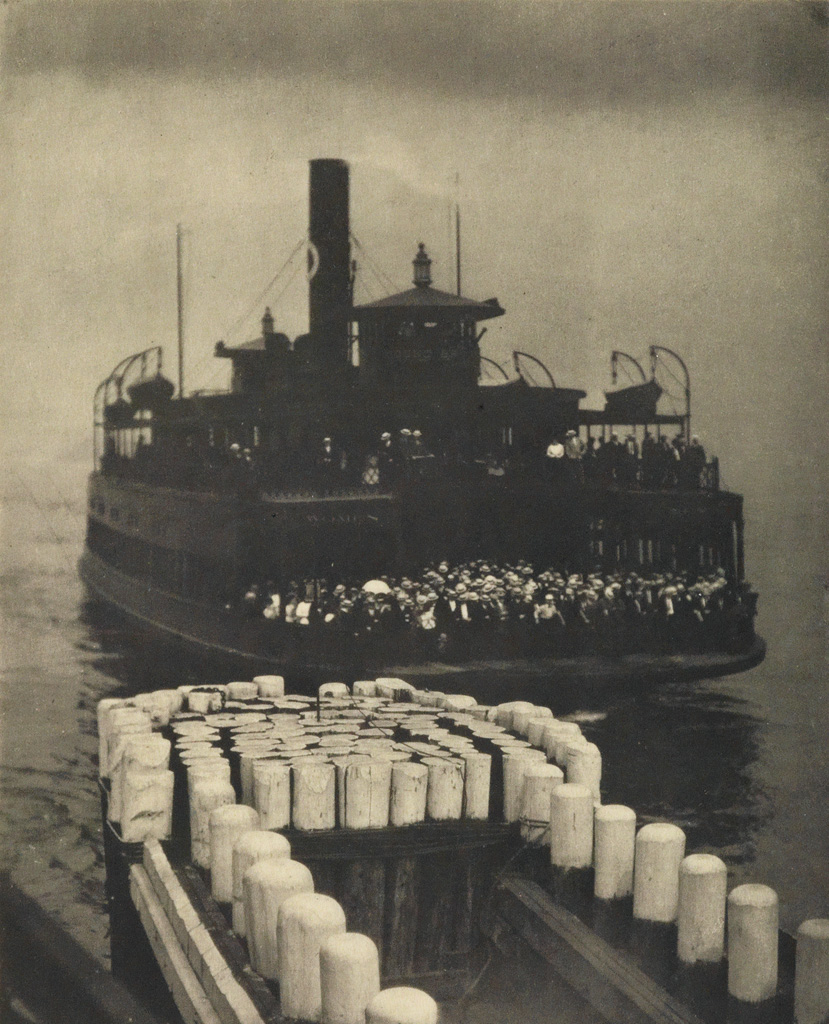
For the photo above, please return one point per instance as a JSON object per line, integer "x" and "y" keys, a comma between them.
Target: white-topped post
{"x": 444, "y": 794}
{"x": 207, "y": 792}
{"x": 811, "y": 976}
{"x": 367, "y": 794}
{"x": 536, "y": 726}
{"x": 248, "y": 850}
{"x": 402, "y": 1005}
{"x": 227, "y": 824}
{"x": 104, "y": 707}
{"x": 539, "y": 782}
{"x": 584, "y": 765}
{"x": 476, "y": 784}
{"x": 409, "y": 783}
{"x": 270, "y": 686}
{"x": 147, "y": 805}
{"x": 265, "y": 887}
{"x": 349, "y": 977}
{"x": 333, "y": 690}
{"x": 272, "y": 793}
{"x": 514, "y": 766}
{"x": 314, "y": 799}
{"x": 304, "y": 922}
{"x": 752, "y": 943}
{"x": 571, "y": 826}
{"x": 703, "y": 883}
{"x": 242, "y": 691}
{"x": 660, "y": 848}
{"x": 522, "y": 717}
{"x": 135, "y": 752}
{"x": 614, "y": 827}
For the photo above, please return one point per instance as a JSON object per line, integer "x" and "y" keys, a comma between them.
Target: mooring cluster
{"x": 239, "y": 778}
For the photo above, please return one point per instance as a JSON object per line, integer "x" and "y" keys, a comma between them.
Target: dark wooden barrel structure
{"x": 419, "y": 892}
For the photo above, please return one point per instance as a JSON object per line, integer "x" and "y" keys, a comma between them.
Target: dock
{"x": 613, "y": 920}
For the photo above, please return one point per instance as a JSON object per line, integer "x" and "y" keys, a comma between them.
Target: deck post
{"x": 701, "y": 909}
{"x": 811, "y": 980}
{"x": 304, "y": 922}
{"x": 752, "y": 943}
{"x": 265, "y": 887}
{"x": 349, "y": 977}
{"x": 248, "y": 850}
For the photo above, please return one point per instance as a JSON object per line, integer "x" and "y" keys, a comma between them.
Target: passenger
{"x": 590, "y": 459}
{"x": 273, "y": 608}
{"x": 694, "y": 464}
{"x": 387, "y": 457}
{"x": 573, "y": 446}
{"x": 547, "y": 612}
{"x": 371, "y": 472}
{"x": 649, "y": 461}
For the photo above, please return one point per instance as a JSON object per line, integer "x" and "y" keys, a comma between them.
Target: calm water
{"x": 740, "y": 763}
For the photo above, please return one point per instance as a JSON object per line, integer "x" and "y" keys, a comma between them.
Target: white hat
{"x": 385, "y": 436}
{"x": 235, "y": 447}
{"x": 326, "y": 439}
{"x": 416, "y": 433}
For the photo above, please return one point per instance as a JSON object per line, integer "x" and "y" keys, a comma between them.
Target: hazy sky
{"x": 628, "y": 174}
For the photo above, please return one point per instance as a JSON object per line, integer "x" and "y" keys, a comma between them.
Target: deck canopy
{"x": 428, "y": 304}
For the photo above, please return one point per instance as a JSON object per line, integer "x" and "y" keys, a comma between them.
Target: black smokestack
{"x": 329, "y": 260}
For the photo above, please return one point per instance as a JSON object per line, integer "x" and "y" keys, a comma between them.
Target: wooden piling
{"x": 270, "y": 686}
{"x": 752, "y": 943}
{"x": 660, "y": 848}
{"x": 272, "y": 793}
{"x": 304, "y": 922}
{"x": 147, "y": 810}
{"x": 703, "y": 881}
{"x": 207, "y": 792}
{"x": 811, "y": 979}
{"x": 402, "y": 1005}
{"x": 571, "y": 826}
{"x": 367, "y": 794}
{"x": 265, "y": 887}
{"x": 444, "y": 795}
{"x": 314, "y": 797}
{"x": 349, "y": 977}
{"x": 227, "y": 824}
{"x": 584, "y": 765}
{"x": 614, "y": 840}
{"x": 250, "y": 849}
{"x": 539, "y": 782}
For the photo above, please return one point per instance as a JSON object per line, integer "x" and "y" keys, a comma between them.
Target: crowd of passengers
{"x": 481, "y": 606}
{"x": 655, "y": 464}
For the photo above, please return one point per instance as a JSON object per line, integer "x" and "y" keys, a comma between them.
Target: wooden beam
{"x": 187, "y": 991}
{"x": 610, "y": 982}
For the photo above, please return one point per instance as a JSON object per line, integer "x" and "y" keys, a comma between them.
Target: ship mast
{"x": 457, "y": 233}
{"x": 180, "y": 311}
{"x": 458, "y": 244}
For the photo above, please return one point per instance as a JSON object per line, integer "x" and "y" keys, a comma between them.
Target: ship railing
{"x": 201, "y": 467}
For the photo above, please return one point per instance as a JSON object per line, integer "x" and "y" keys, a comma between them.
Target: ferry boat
{"x": 376, "y": 494}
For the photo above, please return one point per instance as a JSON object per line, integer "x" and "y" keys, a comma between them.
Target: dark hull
{"x": 227, "y": 645}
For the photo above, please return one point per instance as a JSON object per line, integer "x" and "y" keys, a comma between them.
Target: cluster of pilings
{"x": 221, "y": 769}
